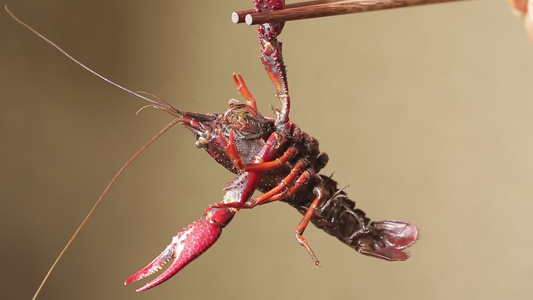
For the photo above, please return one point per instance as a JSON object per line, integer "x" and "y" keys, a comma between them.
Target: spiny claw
{"x": 392, "y": 237}
{"x": 186, "y": 246}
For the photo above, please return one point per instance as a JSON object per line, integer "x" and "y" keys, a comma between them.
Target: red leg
{"x": 281, "y": 191}
{"x": 305, "y": 221}
{"x": 277, "y": 190}
{"x": 260, "y": 166}
{"x": 231, "y": 150}
{"x": 243, "y": 89}
{"x": 265, "y": 166}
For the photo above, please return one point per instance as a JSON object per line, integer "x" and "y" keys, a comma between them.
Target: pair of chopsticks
{"x": 322, "y": 8}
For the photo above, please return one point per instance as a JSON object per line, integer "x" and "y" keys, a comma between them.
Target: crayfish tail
{"x": 388, "y": 239}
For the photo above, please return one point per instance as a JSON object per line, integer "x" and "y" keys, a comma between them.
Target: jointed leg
{"x": 243, "y": 89}
{"x": 270, "y": 165}
{"x": 282, "y": 190}
{"x": 305, "y": 221}
{"x": 232, "y": 152}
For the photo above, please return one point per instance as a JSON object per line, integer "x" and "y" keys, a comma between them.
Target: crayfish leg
{"x": 245, "y": 92}
{"x": 266, "y": 166}
{"x": 305, "y": 221}
{"x": 282, "y": 190}
{"x": 231, "y": 149}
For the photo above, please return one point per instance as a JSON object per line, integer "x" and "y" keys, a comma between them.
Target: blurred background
{"x": 426, "y": 112}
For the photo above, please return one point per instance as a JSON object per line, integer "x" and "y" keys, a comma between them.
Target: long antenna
{"x": 163, "y": 106}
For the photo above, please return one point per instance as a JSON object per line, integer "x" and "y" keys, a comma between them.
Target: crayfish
{"x": 274, "y": 156}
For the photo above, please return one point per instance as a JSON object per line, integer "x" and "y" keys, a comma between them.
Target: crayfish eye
{"x": 201, "y": 142}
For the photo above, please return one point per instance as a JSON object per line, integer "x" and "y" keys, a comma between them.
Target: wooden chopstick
{"x": 323, "y": 8}
{"x": 239, "y": 16}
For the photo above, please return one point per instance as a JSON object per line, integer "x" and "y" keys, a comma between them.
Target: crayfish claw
{"x": 153, "y": 267}
{"x": 185, "y": 247}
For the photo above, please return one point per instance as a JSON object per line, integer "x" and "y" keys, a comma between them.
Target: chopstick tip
{"x": 249, "y": 20}
{"x": 235, "y": 18}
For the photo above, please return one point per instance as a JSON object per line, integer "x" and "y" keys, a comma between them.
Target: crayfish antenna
{"x": 163, "y": 106}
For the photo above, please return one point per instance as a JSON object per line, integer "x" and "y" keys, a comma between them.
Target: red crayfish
{"x": 272, "y": 155}
{"x": 275, "y": 157}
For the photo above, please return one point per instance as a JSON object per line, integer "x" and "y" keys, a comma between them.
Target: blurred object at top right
{"x": 523, "y": 9}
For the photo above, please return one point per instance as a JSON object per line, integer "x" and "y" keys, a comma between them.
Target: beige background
{"x": 426, "y": 112}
